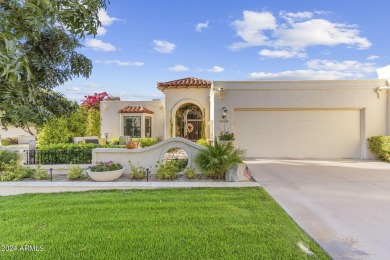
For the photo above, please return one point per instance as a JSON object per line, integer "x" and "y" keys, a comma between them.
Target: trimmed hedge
{"x": 380, "y": 145}
{"x": 67, "y": 153}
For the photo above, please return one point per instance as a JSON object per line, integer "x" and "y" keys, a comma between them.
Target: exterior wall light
{"x": 224, "y": 112}
{"x": 219, "y": 92}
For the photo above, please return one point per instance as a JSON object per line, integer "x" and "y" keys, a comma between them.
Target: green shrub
{"x": 137, "y": 173}
{"x": 190, "y": 173}
{"x": 167, "y": 170}
{"x": 9, "y": 157}
{"x": 75, "y": 173}
{"x": 5, "y": 141}
{"x": 380, "y": 146}
{"x": 62, "y": 130}
{"x": 145, "y": 142}
{"x": 181, "y": 164}
{"x": 40, "y": 174}
{"x": 28, "y": 172}
{"x": 113, "y": 141}
{"x": 14, "y": 172}
{"x": 218, "y": 158}
{"x": 202, "y": 142}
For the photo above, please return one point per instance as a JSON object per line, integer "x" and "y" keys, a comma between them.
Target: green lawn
{"x": 229, "y": 223}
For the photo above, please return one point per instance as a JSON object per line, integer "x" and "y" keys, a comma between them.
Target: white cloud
{"x": 200, "y": 26}
{"x": 319, "y": 32}
{"x": 178, "y": 68}
{"x": 121, "y": 63}
{"x": 105, "y": 19}
{"x": 90, "y": 85}
{"x": 99, "y": 45}
{"x": 215, "y": 69}
{"x": 73, "y": 89}
{"x": 251, "y": 28}
{"x": 299, "y": 32}
{"x": 301, "y": 75}
{"x": 294, "y": 17}
{"x": 320, "y": 70}
{"x": 101, "y": 31}
{"x": 373, "y": 57}
{"x": 348, "y": 65}
{"x": 284, "y": 54}
{"x": 164, "y": 46}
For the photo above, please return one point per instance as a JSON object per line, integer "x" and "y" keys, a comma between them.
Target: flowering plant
{"x": 226, "y": 136}
{"x": 93, "y": 101}
{"x": 106, "y": 167}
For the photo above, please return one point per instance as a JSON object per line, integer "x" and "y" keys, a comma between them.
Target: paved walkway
{"x": 14, "y": 188}
{"x": 344, "y": 205}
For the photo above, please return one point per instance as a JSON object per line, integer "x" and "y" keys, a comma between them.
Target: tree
{"x": 21, "y": 20}
{"x": 63, "y": 129}
{"x": 38, "y": 39}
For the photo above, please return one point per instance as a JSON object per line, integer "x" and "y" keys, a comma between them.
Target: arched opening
{"x": 178, "y": 156}
{"x": 189, "y": 119}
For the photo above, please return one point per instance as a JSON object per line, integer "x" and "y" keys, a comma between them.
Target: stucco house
{"x": 295, "y": 119}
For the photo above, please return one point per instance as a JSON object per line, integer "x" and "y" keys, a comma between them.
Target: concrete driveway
{"x": 343, "y": 204}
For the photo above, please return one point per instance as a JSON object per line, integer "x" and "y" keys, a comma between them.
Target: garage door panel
{"x": 299, "y": 133}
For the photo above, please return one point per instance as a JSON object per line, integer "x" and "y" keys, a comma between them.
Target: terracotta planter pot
{"x": 131, "y": 144}
{"x": 106, "y": 176}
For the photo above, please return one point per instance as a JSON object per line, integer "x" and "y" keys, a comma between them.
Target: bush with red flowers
{"x": 93, "y": 101}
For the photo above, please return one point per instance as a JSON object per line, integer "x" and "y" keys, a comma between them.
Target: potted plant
{"x": 226, "y": 137}
{"x": 105, "y": 171}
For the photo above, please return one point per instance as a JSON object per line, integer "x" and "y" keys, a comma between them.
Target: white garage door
{"x": 299, "y": 133}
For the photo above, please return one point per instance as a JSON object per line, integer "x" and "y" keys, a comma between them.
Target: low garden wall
{"x": 147, "y": 157}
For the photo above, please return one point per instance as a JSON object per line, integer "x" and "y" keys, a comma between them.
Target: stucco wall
{"x": 174, "y": 98}
{"x": 356, "y": 94}
{"x": 110, "y": 116}
{"x": 14, "y": 132}
{"x": 383, "y": 73}
{"x": 148, "y": 156}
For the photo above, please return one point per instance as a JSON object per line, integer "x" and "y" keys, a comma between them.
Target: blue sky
{"x": 149, "y": 41}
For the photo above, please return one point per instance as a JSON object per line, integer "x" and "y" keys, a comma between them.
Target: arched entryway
{"x": 189, "y": 122}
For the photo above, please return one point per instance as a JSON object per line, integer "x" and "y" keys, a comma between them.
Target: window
{"x": 132, "y": 126}
{"x": 148, "y": 126}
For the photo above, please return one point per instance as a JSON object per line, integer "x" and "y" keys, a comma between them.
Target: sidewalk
{"x": 14, "y": 188}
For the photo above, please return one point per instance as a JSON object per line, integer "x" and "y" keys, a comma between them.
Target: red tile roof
{"x": 184, "y": 83}
{"x": 136, "y": 109}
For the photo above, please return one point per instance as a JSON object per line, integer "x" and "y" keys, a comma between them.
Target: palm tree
{"x": 218, "y": 158}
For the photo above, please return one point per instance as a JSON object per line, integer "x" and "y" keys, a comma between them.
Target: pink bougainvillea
{"x": 93, "y": 101}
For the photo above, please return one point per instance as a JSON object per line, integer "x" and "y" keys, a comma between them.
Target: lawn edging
{"x": 15, "y": 188}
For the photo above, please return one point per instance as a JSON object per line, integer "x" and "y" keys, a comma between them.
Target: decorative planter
{"x": 131, "y": 144}
{"x": 106, "y": 176}
{"x": 225, "y": 141}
